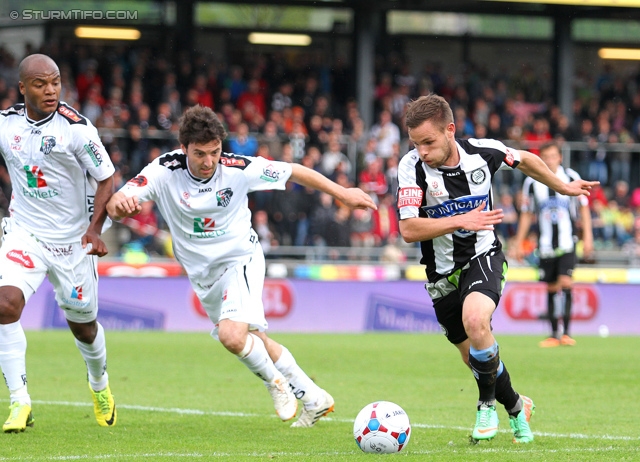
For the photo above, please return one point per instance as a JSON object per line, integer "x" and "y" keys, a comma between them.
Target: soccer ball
{"x": 382, "y": 427}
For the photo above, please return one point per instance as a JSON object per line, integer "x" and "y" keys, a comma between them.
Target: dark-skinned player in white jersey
{"x": 557, "y": 215}
{"x": 445, "y": 204}
{"x": 56, "y": 217}
{"x": 202, "y": 194}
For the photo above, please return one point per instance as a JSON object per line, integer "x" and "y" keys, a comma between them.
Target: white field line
{"x": 174, "y": 410}
{"x": 174, "y": 455}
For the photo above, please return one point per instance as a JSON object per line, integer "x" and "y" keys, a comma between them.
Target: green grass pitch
{"x": 180, "y": 396}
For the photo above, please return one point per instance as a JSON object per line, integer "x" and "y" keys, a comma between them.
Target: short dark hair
{"x": 429, "y": 107}
{"x": 548, "y": 145}
{"x": 200, "y": 125}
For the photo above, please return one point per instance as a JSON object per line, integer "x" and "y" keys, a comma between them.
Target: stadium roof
{"x": 609, "y": 9}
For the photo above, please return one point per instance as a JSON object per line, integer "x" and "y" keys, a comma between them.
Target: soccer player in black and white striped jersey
{"x": 557, "y": 215}
{"x": 445, "y": 203}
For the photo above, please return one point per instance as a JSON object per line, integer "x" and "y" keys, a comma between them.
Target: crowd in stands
{"x": 300, "y": 110}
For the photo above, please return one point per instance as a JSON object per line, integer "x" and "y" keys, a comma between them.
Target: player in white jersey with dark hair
{"x": 445, "y": 203}
{"x": 557, "y": 215}
{"x": 62, "y": 178}
{"x": 202, "y": 194}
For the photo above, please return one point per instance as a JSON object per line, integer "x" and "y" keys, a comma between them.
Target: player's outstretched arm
{"x": 121, "y": 206}
{"x": 425, "y": 229}
{"x": 92, "y": 235}
{"x": 531, "y": 165}
{"x": 352, "y": 197}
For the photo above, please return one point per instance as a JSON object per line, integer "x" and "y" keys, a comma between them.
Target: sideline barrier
{"x": 299, "y": 305}
{"x": 345, "y": 272}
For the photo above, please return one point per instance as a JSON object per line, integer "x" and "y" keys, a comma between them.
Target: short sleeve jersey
{"x": 209, "y": 220}
{"x": 49, "y": 162}
{"x": 447, "y": 191}
{"x": 556, "y": 213}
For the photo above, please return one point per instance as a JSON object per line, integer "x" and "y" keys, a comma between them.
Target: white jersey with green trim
{"x": 209, "y": 220}
{"x": 49, "y": 162}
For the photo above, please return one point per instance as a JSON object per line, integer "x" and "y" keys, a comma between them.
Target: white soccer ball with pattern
{"x": 382, "y": 428}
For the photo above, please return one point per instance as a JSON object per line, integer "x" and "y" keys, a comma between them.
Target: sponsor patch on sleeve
{"x": 139, "y": 181}
{"x": 510, "y": 157}
{"x": 410, "y": 197}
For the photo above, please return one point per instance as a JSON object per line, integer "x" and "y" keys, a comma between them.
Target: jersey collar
{"x": 39, "y": 123}
{"x": 200, "y": 180}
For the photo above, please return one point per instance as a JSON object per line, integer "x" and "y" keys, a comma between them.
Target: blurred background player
{"x": 54, "y": 230}
{"x": 445, "y": 203}
{"x": 556, "y": 218}
{"x": 202, "y": 194}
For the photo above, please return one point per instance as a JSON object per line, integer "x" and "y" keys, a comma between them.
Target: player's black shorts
{"x": 550, "y": 269}
{"x": 484, "y": 274}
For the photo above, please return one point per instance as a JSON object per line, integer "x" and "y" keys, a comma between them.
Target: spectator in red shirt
{"x": 253, "y": 95}
{"x": 385, "y": 221}
{"x": 87, "y": 78}
{"x": 538, "y": 135}
{"x": 204, "y": 98}
{"x": 372, "y": 178}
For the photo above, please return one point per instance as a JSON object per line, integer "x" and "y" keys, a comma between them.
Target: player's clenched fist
{"x": 121, "y": 206}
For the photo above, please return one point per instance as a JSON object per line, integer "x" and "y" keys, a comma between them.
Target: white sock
{"x": 303, "y": 387}
{"x": 13, "y": 348}
{"x": 95, "y": 356}
{"x": 255, "y": 357}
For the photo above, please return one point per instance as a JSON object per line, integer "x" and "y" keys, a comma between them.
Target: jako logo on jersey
{"x": 456, "y": 206}
{"x": 478, "y": 176}
{"x": 224, "y": 196}
{"x": 232, "y": 161}
{"x": 35, "y": 131}
{"x": 21, "y": 257}
{"x": 409, "y": 197}
{"x": 94, "y": 152}
{"x": 204, "y": 190}
{"x": 138, "y": 181}
{"x": 47, "y": 144}
{"x": 270, "y": 174}
{"x": 35, "y": 177}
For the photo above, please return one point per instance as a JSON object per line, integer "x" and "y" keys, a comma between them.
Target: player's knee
{"x": 11, "y": 305}
{"x": 84, "y": 332}
{"x": 233, "y": 340}
{"x": 477, "y": 329}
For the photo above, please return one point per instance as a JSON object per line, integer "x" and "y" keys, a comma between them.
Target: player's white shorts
{"x": 26, "y": 260}
{"x": 237, "y": 294}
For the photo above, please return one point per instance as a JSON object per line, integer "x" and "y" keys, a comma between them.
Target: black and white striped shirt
{"x": 556, "y": 213}
{"x": 443, "y": 192}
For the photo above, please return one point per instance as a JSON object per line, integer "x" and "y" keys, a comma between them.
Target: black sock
{"x": 486, "y": 374}
{"x": 551, "y": 312}
{"x": 566, "y": 320}
{"x": 505, "y": 394}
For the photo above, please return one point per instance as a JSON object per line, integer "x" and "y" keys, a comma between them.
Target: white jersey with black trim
{"x": 447, "y": 191}
{"x": 209, "y": 220}
{"x": 48, "y": 162}
{"x": 556, "y": 213}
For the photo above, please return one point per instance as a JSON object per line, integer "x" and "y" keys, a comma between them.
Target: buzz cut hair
{"x": 200, "y": 125}
{"x": 430, "y": 107}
